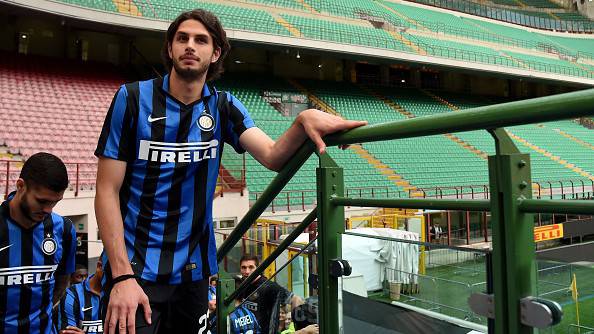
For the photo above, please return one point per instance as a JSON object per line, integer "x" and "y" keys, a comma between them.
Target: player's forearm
{"x": 286, "y": 145}
{"x": 111, "y": 229}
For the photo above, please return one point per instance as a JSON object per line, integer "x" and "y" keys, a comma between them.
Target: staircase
{"x": 575, "y": 139}
{"x": 388, "y": 172}
{"x": 307, "y": 6}
{"x": 408, "y": 43}
{"x": 551, "y": 156}
{"x": 127, "y": 7}
{"x": 408, "y": 114}
{"x": 290, "y": 28}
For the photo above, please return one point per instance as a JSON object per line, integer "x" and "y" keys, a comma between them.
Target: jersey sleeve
{"x": 239, "y": 120}
{"x": 68, "y": 260}
{"x": 114, "y": 140}
{"x": 67, "y": 311}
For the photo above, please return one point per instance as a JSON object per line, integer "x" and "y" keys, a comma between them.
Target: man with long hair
{"x": 159, "y": 154}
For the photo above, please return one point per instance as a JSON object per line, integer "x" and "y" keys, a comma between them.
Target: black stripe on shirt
{"x": 88, "y": 314}
{"x": 150, "y": 183}
{"x": 236, "y": 117}
{"x": 67, "y": 244}
{"x": 131, "y": 135}
{"x": 76, "y": 306}
{"x": 197, "y": 234}
{"x": 104, "y": 135}
{"x": 26, "y": 295}
{"x": 204, "y": 233}
{"x": 48, "y": 229}
{"x": 127, "y": 144}
{"x": 63, "y": 314}
{"x": 174, "y": 201}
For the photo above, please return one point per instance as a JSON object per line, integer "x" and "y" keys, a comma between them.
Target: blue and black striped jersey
{"x": 29, "y": 260}
{"x": 81, "y": 308}
{"x": 172, "y": 151}
{"x": 243, "y": 321}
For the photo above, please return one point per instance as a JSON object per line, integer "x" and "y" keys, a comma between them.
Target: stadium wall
{"x": 81, "y": 211}
{"x": 231, "y": 206}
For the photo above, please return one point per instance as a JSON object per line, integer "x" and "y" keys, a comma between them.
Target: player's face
{"x": 78, "y": 276}
{"x": 36, "y": 202}
{"x": 247, "y": 267}
{"x": 192, "y": 50}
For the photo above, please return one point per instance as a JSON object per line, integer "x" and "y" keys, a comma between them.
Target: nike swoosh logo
{"x": 5, "y": 247}
{"x": 86, "y": 309}
{"x": 151, "y": 119}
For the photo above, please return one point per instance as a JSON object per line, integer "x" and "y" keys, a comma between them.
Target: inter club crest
{"x": 206, "y": 122}
{"x": 49, "y": 245}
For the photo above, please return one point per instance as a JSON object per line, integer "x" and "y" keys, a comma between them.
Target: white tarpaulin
{"x": 369, "y": 257}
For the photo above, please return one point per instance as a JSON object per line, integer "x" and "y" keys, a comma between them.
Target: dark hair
{"x": 79, "y": 266}
{"x": 248, "y": 257}
{"x": 214, "y": 27}
{"x": 46, "y": 170}
{"x": 212, "y": 278}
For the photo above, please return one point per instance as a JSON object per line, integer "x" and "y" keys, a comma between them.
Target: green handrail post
{"x": 274, "y": 255}
{"x": 225, "y": 286}
{"x": 513, "y": 234}
{"x": 330, "y": 182}
{"x": 274, "y": 188}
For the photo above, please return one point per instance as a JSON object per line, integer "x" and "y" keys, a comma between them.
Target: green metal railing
{"x": 511, "y": 205}
{"x": 524, "y": 18}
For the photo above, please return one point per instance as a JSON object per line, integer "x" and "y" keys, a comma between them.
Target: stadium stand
{"x": 519, "y": 13}
{"x": 55, "y": 106}
{"x": 361, "y": 177}
{"x": 348, "y": 22}
{"x": 345, "y": 33}
{"x": 546, "y": 165}
{"x": 96, "y": 4}
{"x": 425, "y": 163}
{"x": 53, "y": 91}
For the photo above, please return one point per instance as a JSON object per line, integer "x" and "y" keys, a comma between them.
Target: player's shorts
{"x": 181, "y": 308}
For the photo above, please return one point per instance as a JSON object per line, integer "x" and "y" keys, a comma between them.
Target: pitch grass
{"x": 445, "y": 289}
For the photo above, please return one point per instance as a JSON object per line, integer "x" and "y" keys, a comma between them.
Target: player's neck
{"x": 17, "y": 215}
{"x": 184, "y": 90}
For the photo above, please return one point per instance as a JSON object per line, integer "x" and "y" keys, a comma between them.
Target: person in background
{"x": 80, "y": 308}
{"x": 264, "y": 297}
{"x": 212, "y": 288}
{"x": 37, "y": 247}
{"x": 241, "y": 320}
{"x": 80, "y": 274}
{"x": 285, "y": 325}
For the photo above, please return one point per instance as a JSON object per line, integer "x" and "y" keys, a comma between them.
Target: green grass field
{"x": 445, "y": 289}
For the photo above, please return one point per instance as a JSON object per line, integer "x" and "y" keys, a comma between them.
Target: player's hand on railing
{"x": 317, "y": 124}
{"x": 123, "y": 302}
